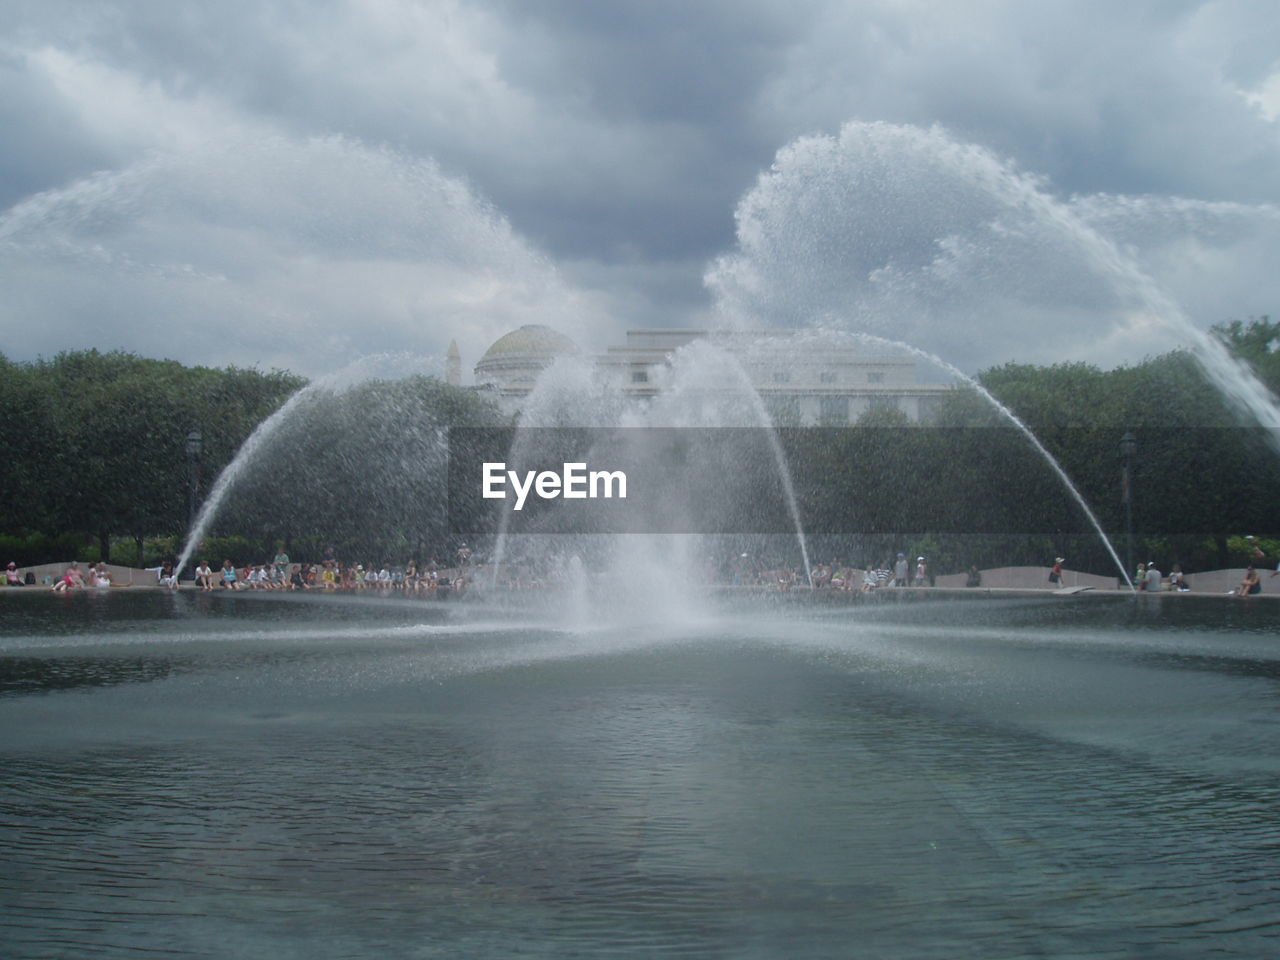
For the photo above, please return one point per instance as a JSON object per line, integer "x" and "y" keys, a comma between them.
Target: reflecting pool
{"x": 267, "y": 776}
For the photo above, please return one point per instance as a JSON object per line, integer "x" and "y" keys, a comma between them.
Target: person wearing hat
{"x": 1154, "y": 577}
{"x": 900, "y": 571}
{"x": 12, "y": 577}
{"x": 921, "y": 572}
{"x": 1055, "y": 572}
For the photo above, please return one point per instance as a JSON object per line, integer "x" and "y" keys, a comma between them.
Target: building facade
{"x": 803, "y": 380}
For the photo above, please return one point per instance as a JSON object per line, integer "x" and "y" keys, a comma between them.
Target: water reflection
{"x": 927, "y": 785}
{"x": 21, "y": 675}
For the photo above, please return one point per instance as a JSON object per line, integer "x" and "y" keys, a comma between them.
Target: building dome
{"x": 532, "y": 338}
{"x": 515, "y": 359}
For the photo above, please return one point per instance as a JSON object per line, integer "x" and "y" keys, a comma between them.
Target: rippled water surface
{"x": 259, "y": 776}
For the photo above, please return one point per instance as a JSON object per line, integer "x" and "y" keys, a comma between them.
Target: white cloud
{"x": 614, "y": 140}
{"x": 914, "y": 235}
{"x": 294, "y": 253}
{"x": 1097, "y": 96}
{"x": 116, "y": 107}
{"x": 1266, "y": 97}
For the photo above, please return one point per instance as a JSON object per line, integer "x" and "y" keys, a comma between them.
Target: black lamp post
{"x": 195, "y": 444}
{"x": 1128, "y": 446}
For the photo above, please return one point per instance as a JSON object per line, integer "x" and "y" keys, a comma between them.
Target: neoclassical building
{"x": 809, "y": 382}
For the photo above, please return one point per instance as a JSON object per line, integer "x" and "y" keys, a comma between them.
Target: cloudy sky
{"x": 288, "y": 184}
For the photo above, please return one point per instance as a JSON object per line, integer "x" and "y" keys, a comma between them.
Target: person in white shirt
{"x": 204, "y": 575}
{"x": 1153, "y": 578}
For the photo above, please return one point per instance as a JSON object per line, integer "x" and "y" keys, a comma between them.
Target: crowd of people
{"x": 96, "y": 576}
{"x": 73, "y": 578}
{"x": 1149, "y": 579}
{"x": 899, "y": 572}
{"x": 280, "y": 574}
{"x": 333, "y": 576}
{"x": 328, "y": 574}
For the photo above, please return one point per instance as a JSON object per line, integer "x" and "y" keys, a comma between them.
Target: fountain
{"x": 318, "y": 247}
{"x": 704, "y": 388}
{"x": 957, "y": 211}
{"x": 909, "y": 234}
{"x": 870, "y": 339}
{"x": 337, "y": 776}
{"x": 628, "y": 765}
{"x": 297, "y": 408}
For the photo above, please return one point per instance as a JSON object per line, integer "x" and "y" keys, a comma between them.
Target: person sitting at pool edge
{"x": 1250, "y": 584}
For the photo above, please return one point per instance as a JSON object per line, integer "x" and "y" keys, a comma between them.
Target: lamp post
{"x": 1128, "y": 446}
{"x": 195, "y": 444}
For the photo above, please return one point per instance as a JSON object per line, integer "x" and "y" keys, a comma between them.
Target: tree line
{"x": 95, "y": 453}
{"x": 95, "y": 445}
{"x": 95, "y": 460}
{"x": 972, "y": 489}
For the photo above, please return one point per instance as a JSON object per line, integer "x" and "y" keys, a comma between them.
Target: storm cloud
{"x": 287, "y": 184}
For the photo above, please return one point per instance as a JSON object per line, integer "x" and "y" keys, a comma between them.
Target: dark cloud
{"x": 1095, "y": 96}
{"x": 616, "y": 140}
{"x": 286, "y": 253}
{"x": 45, "y": 145}
{"x": 663, "y": 62}
{"x": 914, "y": 235}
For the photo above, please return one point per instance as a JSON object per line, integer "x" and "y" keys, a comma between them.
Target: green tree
{"x": 25, "y": 429}
{"x": 100, "y": 446}
{"x": 363, "y": 468}
{"x": 1257, "y": 343}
